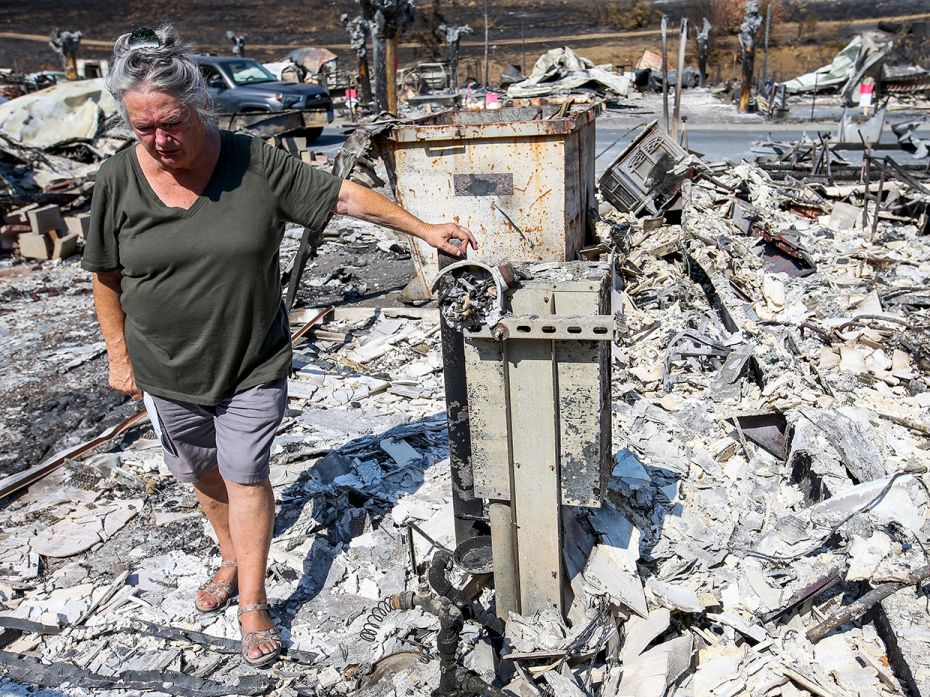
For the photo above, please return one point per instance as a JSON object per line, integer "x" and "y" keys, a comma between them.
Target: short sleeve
{"x": 305, "y": 194}
{"x": 101, "y": 245}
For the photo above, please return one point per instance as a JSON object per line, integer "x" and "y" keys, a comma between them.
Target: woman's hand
{"x": 123, "y": 380}
{"x": 439, "y": 236}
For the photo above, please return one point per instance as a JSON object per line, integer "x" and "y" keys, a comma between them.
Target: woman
{"x": 183, "y": 244}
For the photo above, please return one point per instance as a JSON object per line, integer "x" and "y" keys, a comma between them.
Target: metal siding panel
{"x": 487, "y": 409}
{"x": 581, "y": 405}
{"x": 535, "y": 478}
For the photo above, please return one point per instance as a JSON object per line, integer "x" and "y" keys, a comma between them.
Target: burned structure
{"x": 663, "y": 434}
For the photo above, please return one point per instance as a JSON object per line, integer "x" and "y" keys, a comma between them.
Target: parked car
{"x": 244, "y": 86}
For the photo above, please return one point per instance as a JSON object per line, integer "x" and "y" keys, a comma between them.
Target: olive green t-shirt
{"x": 201, "y": 287}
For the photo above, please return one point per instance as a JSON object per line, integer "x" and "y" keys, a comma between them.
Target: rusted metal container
{"x": 520, "y": 178}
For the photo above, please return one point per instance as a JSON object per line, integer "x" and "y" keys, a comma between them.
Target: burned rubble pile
{"x": 51, "y": 144}
{"x": 774, "y": 424}
{"x": 763, "y": 530}
{"x": 99, "y": 557}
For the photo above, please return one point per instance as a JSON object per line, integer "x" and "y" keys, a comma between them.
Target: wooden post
{"x": 486, "y": 20}
{"x": 390, "y": 58}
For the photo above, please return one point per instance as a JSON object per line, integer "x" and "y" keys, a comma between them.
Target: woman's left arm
{"x": 358, "y": 201}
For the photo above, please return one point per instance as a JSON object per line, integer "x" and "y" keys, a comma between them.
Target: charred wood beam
{"x": 857, "y": 609}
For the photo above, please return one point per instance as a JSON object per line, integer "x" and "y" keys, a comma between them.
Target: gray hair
{"x": 161, "y": 64}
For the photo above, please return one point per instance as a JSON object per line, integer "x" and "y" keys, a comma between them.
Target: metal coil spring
{"x": 375, "y": 618}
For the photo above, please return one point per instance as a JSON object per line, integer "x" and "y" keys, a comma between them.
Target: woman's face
{"x": 170, "y": 132}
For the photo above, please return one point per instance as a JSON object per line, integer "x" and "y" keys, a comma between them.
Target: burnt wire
{"x": 862, "y": 509}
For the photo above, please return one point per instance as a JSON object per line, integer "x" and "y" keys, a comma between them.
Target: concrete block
{"x": 9, "y": 234}
{"x": 78, "y": 224}
{"x": 32, "y": 246}
{"x": 64, "y": 247}
{"x": 293, "y": 144}
{"x": 19, "y": 217}
{"x": 46, "y": 219}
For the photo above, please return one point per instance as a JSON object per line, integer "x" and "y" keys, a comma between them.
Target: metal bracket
{"x": 597, "y": 328}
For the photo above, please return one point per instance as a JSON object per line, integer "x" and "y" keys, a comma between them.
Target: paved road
{"x": 721, "y": 142}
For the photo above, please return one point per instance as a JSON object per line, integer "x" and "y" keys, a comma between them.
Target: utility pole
{"x": 682, "y": 40}
{"x": 665, "y": 71}
{"x": 485, "y": 44}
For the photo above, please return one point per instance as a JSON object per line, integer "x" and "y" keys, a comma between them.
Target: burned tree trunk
{"x": 379, "y": 58}
{"x": 453, "y": 35}
{"x": 358, "y": 38}
{"x": 65, "y": 44}
{"x": 752, "y": 20}
{"x": 387, "y": 19}
{"x": 238, "y": 43}
{"x": 703, "y": 43}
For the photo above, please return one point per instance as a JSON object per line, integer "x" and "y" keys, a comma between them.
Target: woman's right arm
{"x": 107, "y": 290}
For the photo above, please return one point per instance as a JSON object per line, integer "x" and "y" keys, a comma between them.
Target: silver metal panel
{"x": 583, "y": 369}
{"x": 483, "y": 184}
{"x": 535, "y": 496}
{"x": 487, "y": 416}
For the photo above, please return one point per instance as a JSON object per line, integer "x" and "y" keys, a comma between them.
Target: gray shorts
{"x": 236, "y": 434}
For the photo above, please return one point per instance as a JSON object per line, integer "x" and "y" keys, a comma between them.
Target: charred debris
{"x": 744, "y": 369}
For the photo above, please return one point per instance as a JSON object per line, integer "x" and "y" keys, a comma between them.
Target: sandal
{"x": 223, "y": 592}
{"x": 262, "y": 636}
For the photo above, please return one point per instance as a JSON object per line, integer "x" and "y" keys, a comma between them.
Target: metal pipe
{"x": 465, "y": 507}
{"x": 506, "y": 585}
{"x": 439, "y": 582}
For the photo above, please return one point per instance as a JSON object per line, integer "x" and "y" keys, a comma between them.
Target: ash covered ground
{"x": 53, "y": 369}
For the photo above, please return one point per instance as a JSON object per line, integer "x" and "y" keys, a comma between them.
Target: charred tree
{"x": 238, "y": 43}
{"x": 387, "y": 19}
{"x": 358, "y": 31}
{"x": 453, "y": 36}
{"x": 65, "y": 44}
{"x": 703, "y": 44}
{"x": 752, "y": 20}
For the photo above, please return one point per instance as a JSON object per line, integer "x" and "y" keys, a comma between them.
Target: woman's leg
{"x": 245, "y": 428}
{"x": 251, "y": 521}
{"x": 214, "y": 499}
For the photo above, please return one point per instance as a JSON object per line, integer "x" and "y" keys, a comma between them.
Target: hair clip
{"x": 144, "y": 38}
